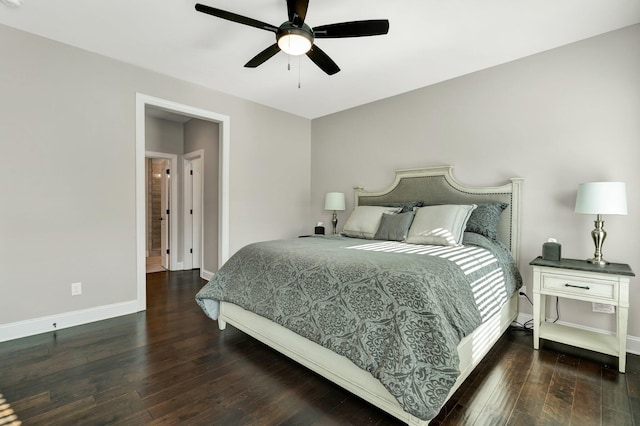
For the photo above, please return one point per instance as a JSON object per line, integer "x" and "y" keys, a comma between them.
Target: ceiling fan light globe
{"x": 294, "y": 44}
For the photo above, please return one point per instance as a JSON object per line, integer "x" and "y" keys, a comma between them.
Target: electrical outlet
{"x": 523, "y": 289}
{"x": 604, "y": 309}
{"x": 76, "y": 289}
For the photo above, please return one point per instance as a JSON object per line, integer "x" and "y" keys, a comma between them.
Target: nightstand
{"x": 580, "y": 280}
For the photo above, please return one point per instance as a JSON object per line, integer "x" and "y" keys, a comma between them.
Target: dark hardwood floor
{"x": 171, "y": 365}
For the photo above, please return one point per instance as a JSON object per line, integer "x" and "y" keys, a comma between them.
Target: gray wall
{"x": 60, "y": 109}
{"x": 164, "y": 135}
{"x": 205, "y": 135}
{"x": 557, "y": 119}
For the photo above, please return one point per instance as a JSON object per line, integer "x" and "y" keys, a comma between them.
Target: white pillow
{"x": 440, "y": 225}
{"x": 365, "y": 220}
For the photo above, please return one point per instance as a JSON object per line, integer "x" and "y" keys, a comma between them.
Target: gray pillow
{"x": 365, "y": 220}
{"x": 484, "y": 219}
{"x": 394, "y": 227}
{"x": 442, "y": 225}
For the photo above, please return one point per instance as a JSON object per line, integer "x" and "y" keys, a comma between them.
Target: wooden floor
{"x": 171, "y": 365}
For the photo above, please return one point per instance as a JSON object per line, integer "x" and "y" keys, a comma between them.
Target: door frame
{"x": 173, "y": 206}
{"x": 224, "y": 122}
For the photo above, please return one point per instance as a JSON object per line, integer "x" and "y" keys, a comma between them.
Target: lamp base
{"x": 334, "y": 221}
{"x": 598, "y": 235}
{"x": 600, "y": 262}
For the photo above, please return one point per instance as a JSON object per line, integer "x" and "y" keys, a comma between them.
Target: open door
{"x": 165, "y": 226}
{"x": 196, "y": 198}
{"x": 193, "y": 210}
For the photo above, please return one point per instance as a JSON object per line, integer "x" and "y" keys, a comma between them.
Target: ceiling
{"x": 429, "y": 41}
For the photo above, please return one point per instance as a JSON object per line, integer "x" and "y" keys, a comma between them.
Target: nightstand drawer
{"x": 586, "y": 289}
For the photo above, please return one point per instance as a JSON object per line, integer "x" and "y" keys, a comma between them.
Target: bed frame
{"x": 434, "y": 185}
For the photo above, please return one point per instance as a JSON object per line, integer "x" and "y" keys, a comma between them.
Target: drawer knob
{"x": 584, "y": 287}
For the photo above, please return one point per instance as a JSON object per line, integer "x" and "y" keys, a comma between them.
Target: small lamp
{"x": 601, "y": 198}
{"x": 334, "y": 201}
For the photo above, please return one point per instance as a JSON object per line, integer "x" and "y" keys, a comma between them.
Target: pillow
{"x": 484, "y": 220}
{"x": 364, "y": 221}
{"x": 441, "y": 225}
{"x": 394, "y": 227}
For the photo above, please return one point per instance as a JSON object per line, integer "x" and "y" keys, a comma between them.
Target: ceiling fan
{"x": 296, "y": 38}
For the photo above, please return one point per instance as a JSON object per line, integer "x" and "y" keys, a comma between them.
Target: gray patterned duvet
{"x": 396, "y": 310}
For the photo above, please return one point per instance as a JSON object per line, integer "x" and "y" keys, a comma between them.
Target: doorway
{"x": 159, "y": 221}
{"x": 142, "y": 102}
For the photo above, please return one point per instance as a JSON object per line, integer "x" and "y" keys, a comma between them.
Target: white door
{"x": 196, "y": 209}
{"x": 165, "y": 227}
{"x": 193, "y": 168}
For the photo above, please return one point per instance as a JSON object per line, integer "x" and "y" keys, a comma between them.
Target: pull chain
{"x": 299, "y": 72}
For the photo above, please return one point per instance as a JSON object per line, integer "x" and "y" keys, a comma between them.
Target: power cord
{"x": 528, "y": 325}
{"x": 522, "y": 293}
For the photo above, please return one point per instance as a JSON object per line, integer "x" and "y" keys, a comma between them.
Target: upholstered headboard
{"x": 436, "y": 185}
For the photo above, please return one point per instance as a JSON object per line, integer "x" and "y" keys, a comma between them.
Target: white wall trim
{"x": 223, "y": 201}
{"x": 633, "y": 342}
{"x": 206, "y": 275}
{"x": 173, "y": 217}
{"x": 34, "y": 326}
{"x": 633, "y": 345}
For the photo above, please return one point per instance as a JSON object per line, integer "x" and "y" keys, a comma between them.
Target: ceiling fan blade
{"x": 322, "y": 60}
{"x": 352, "y": 29}
{"x": 235, "y": 17}
{"x": 263, "y": 56}
{"x": 297, "y": 11}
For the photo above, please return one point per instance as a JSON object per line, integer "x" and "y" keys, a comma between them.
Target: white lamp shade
{"x": 602, "y": 198}
{"x": 334, "y": 201}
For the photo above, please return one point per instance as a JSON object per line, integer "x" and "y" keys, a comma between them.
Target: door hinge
{"x": 191, "y": 172}
{"x": 167, "y": 211}
{"x": 190, "y": 250}
{"x": 191, "y": 211}
{"x": 167, "y": 251}
{"x": 168, "y": 171}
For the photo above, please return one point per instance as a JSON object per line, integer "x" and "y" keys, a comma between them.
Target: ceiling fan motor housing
{"x": 294, "y": 40}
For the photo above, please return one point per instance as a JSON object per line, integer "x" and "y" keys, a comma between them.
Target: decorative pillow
{"x": 484, "y": 220}
{"x": 440, "y": 225}
{"x": 364, "y": 221}
{"x": 394, "y": 227}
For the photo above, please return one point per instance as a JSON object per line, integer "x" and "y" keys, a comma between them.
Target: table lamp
{"x": 334, "y": 201}
{"x": 601, "y": 198}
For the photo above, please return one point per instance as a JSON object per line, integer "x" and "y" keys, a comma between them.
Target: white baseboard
{"x": 633, "y": 342}
{"x": 206, "y": 275}
{"x": 34, "y": 326}
{"x": 633, "y": 345}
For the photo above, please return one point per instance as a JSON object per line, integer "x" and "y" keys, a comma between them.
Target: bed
{"x": 410, "y": 376}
